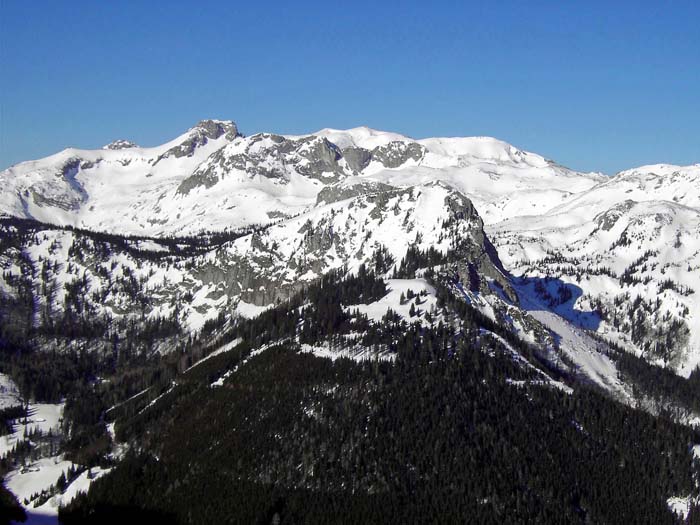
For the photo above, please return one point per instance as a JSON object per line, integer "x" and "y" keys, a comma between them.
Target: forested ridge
{"x": 451, "y": 430}
{"x": 442, "y": 424}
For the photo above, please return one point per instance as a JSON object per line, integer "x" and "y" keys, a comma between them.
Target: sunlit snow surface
{"x": 131, "y": 191}
{"x": 35, "y": 476}
{"x": 40, "y": 475}
{"x": 40, "y": 416}
{"x": 532, "y": 206}
{"x": 392, "y": 301}
{"x": 653, "y": 240}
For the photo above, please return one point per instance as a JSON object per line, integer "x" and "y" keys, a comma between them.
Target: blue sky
{"x": 597, "y": 86}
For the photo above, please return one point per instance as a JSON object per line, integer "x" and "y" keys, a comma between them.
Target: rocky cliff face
{"x": 51, "y": 270}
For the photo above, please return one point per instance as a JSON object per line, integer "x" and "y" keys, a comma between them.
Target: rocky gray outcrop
{"x": 357, "y": 158}
{"x": 272, "y": 157}
{"x": 343, "y": 191}
{"x": 213, "y": 129}
{"x": 263, "y": 271}
{"x": 322, "y": 159}
{"x": 200, "y": 135}
{"x": 64, "y": 191}
{"x": 607, "y": 219}
{"x": 120, "y": 144}
{"x": 397, "y": 153}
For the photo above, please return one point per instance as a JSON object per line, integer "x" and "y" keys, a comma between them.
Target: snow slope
{"x": 42, "y": 417}
{"x": 612, "y": 239}
{"x": 613, "y": 251}
{"x": 211, "y": 178}
{"x": 585, "y": 353}
{"x": 40, "y": 475}
{"x": 392, "y": 301}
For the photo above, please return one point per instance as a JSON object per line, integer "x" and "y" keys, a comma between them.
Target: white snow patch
{"x": 138, "y": 394}
{"x": 42, "y": 417}
{"x": 157, "y": 398}
{"x": 541, "y": 382}
{"x": 80, "y": 484}
{"x": 680, "y": 506}
{"x": 358, "y": 354}
{"x": 392, "y": 301}
{"x": 220, "y": 382}
{"x": 34, "y": 478}
{"x": 250, "y": 311}
{"x": 225, "y": 348}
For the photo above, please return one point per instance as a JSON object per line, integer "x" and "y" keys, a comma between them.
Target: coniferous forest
{"x": 447, "y": 428}
{"x": 449, "y": 417}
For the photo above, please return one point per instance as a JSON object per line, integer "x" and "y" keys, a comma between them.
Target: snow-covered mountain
{"x": 212, "y": 178}
{"x": 617, "y": 255}
{"x": 630, "y": 248}
{"x": 148, "y": 282}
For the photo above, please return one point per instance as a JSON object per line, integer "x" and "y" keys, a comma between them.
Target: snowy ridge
{"x": 612, "y": 250}
{"x": 360, "y": 137}
{"x": 211, "y": 178}
{"x": 330, "y": 198}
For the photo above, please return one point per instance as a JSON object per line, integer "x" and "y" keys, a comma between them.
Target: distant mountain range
{"x": 610, "y": 240}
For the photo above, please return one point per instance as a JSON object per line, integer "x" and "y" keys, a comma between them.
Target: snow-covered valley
{"x": 35, "y": 481}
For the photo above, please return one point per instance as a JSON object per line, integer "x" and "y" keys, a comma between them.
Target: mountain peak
{"x": 213, "y": 129}
{"x": 120, "y": 144}
{"x": 361, "y": 137}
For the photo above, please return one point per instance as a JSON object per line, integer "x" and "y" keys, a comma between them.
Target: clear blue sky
{"x": 594, "y": 85}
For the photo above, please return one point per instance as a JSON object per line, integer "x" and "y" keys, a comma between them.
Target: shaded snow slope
{"x": 9, "y": 393}
{"x": 587, "y": 355}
